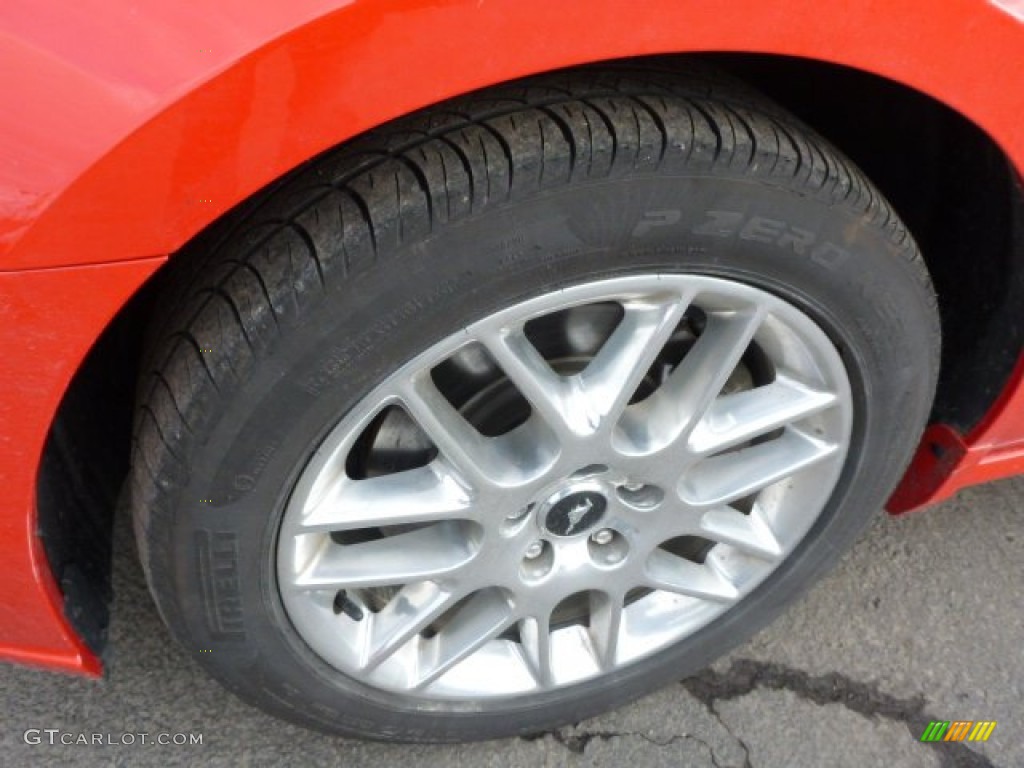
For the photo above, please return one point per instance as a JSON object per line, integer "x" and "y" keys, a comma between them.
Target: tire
{"x": 599, "y": 188}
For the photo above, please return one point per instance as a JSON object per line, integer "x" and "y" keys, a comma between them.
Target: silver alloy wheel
{"x": 636, "y": 496}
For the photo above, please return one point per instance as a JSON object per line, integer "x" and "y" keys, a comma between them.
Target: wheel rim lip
{"x": 457, "y": 684}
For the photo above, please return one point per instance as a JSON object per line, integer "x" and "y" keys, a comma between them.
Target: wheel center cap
{"x": 574, "y": 511}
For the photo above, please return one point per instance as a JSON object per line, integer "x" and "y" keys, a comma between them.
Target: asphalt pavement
{"x": 923, "y": 620}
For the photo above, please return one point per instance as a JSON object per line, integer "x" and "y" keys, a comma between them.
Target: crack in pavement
{"x": 721, "y": 721}
{"x": 747, "y": 675}
{"x": 577, "y": 741}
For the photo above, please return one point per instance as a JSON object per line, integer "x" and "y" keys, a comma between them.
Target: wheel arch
{"x": 211, "y": 133}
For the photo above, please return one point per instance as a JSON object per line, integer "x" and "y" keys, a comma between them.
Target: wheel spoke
{"x": 484, "y": 463}
{"x": 546, "y": 391}
{"x": 674, "y": 518}
{"x": 425, "y": 494}
{"x": 414, "y": 556}
{"x": 736, "y": 418}
{"x": 722, "y": 479}
{"x": 535, "y": 635}
{"x": 467, "y": 450}
{"x": 685, "y": 577}
{"x": 406, "y": 615}
{"x": 481, "y": 619}
{"x": 699, "y": 378}
{"x": 605, "y": 624}
{"x": 748, "y": 533}
{"x": 681, "y": 401}
{"x": 619, "y": 367}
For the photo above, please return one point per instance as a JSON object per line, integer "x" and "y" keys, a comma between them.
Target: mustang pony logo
{"x": 577, "y": 513}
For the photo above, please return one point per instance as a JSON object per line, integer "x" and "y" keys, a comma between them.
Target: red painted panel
{"x": 168, "y": 135}
{"x": 48, "y": 321}
{"x": 994, "y": 450}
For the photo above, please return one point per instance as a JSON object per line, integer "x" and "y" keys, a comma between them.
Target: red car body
{"x": 127, "y": 128}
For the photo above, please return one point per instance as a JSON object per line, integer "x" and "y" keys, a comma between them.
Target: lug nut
{"x": 534, "y": 550}
{"x": 519, "y": 514}
{"x": 602, "y": 537}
